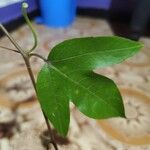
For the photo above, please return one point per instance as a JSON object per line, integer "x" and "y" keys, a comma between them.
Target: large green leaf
{"x": 69, "y": 77}
{"x": 91, "y": 53}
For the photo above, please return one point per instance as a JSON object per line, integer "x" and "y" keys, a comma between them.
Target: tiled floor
{"x": 21, "y": 122}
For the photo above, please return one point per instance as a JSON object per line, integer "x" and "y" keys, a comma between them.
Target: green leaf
{"x": 53, "y": 99}
{"x": 91, "y": 53}
{"x": 70, "y": 77}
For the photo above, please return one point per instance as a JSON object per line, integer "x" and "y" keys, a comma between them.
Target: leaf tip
{"x": 141, "y": 45}
{"x": 25, "y": 5}
{"x": 63, "y": 133}
{"x": 123, "y": 115}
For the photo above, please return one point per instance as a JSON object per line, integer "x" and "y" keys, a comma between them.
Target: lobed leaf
{"x": 70, "y": 77}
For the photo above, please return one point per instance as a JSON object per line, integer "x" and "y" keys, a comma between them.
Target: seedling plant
{"x": 68, "y": 76}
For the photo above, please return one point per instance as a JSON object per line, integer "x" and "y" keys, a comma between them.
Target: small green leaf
{"x": 70, "y": 77}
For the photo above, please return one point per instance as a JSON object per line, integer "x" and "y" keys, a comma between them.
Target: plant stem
{"x": 46, "y": 119}
{"x": 24, "y": 12}
{"x": 13, "y": 41}
{"x": 10, "y": 49}
{"x": 28, "y": 65}
{"x": 37, "y": 55}
{"x": 30, "y": 55}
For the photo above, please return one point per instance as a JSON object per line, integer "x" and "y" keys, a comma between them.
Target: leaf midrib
{"x": 108, "y": 50}
{"x": 64, "y": 75}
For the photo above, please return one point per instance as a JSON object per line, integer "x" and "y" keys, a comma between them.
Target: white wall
{"x": 4, "y": 3}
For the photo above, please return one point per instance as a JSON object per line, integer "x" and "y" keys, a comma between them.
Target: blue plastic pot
{"x": 58, "y": 13}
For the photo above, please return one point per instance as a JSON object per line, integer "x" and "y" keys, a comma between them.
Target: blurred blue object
{"x": 57, "y": 13}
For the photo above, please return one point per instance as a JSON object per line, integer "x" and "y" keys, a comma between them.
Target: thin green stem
{"x": 24, "y": 12}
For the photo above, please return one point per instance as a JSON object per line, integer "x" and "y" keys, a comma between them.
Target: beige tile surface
{"x": 21, "y": 129}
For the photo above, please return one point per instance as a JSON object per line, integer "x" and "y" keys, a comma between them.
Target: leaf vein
{"x": 115, "y": 50}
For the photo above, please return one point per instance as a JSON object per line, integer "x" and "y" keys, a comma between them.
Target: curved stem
{"x": 10, "y": 49}
{"x": 24, "y": 12}
{"x": 39, "y": 56}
